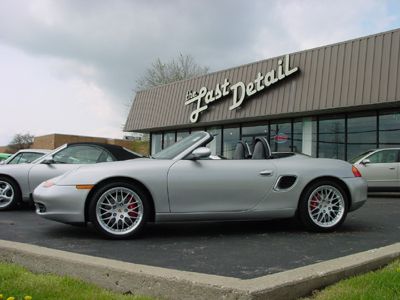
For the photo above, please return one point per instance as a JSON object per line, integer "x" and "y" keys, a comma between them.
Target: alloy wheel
{"x": 6, "y": 194}
{"x": 119, "y": 211}
{"x": 326, "y": 206}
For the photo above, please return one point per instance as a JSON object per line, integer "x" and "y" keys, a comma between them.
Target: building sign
{"x": 240, "y": 91}
{"x": 281, "y": 138}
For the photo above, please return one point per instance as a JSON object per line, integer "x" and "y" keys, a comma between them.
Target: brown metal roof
{"x": 360, "y": 72}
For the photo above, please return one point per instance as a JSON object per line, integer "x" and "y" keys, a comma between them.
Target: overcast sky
{"x": 71, "y": 66}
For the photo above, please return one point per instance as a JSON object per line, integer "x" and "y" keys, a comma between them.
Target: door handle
{"x": 266, "y": 173}
{"x": 393, "y": 168}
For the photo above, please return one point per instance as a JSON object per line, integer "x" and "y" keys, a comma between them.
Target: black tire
{"x": 13, "y": 192}
{"x": 119, "y": 214}
{"x": 314, "y": 211}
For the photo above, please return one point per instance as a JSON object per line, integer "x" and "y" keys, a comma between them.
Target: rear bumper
{"x": 358, "y": 189}
{"x": 64, "y": 204}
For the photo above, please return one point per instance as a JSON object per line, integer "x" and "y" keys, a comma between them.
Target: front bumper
{"x": 61, "y": 203}
{"x": 358, "y": 189}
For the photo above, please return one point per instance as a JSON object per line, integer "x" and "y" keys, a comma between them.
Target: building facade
{"x": 334, "y": 101}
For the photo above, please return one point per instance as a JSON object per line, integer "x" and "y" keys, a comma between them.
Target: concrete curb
{"x": 173, "y": 284}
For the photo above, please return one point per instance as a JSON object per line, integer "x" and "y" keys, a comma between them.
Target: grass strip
{"x": 381, "y": 284}
{"x": 17, "y": 282}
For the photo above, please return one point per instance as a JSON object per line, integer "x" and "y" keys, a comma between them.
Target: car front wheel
{"x": 323, "y": 206}
{"x": 9, "y": 193}
{"x": 119, "y": 210}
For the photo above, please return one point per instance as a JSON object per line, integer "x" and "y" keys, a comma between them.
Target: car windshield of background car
{"x": 358, "y": 157}
{"x": 173, "y": 150}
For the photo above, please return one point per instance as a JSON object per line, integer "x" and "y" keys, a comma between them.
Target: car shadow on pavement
{"x": 237, "y": 228}
{"x": 186, "y": 230}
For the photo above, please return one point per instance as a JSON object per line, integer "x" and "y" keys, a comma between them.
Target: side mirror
{"x": 48, "y": 160}
{"x": 365, "y": 161}
{"x": 202, "y": 152}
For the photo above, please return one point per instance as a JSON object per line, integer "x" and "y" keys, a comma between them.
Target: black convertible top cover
{"x": 117, "y": 151}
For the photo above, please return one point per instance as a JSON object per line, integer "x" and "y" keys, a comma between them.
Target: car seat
{"x": 262, "y": 149}
{"x": 242, "y": 151}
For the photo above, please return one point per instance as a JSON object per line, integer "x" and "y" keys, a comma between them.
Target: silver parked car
{"x": 17, "y": 181}
{"x": 381, "y": 169}
{"x": 182, "y": 183}
{"x": 25, "y": 156}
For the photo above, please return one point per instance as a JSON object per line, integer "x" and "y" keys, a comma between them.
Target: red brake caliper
{"x": 132, "y": 208}
{"x": 314, "y": 202}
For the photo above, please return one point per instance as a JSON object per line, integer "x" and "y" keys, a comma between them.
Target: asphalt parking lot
{"x": 235, "y": 249}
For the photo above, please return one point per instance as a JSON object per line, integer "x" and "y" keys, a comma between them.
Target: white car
{"x": 25, "y": 156}
{"x": 381, "y": 169}
{"x": 17, "y": 181}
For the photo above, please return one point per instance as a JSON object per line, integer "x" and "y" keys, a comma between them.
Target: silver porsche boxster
{"x": 184, "y": 183}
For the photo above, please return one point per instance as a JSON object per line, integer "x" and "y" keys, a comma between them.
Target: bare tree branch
{"x": 183, "y": 67}
{"x": 21, "y": 141}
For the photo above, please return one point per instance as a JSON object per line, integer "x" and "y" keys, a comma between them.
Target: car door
{"x": 66, "y": 159}
{"x": 219, "y": 185}
{"x": 382, "y": 170}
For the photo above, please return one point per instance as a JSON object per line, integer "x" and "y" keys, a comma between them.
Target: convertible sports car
{"x": 182, "y": 183}
{"x": 17, "y": 181}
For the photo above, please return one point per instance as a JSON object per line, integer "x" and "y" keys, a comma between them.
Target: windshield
{"x": 173, "y": 150}
{"x": 48, "y": 154}
{"x": 358, "y": 157}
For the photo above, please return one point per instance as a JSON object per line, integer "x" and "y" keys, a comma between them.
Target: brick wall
{"x": 4, "y": 149}
{"x": 44, "y": 142}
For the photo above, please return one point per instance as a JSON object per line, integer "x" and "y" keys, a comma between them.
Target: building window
{"x": 389, "y": 129}
{"x": 361, "y": 133}
{"x": 181, "y": 134}
{"x": 250, "y": 133}
{"x": 305, "y": 136}
{"x": 281, "y": 137}
{"x": 331, "y": 137}
{"x": 384, "y": 157}
{"x": 230, "y": 138}
{"x": 169, "y": 139}
{"x": 215, "y": 144}
{"x": 156, "y": 143}
{"x": 298, "y": 136}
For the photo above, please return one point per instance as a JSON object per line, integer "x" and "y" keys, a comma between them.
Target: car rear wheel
{"x": 10, "y": 195}
{"x": 119, "y": 210}
{"x": 323, "y": 206}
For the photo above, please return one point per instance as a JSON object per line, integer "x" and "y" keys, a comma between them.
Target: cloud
{"x": 97, "y": 49}
{"x": 36, "y": 101}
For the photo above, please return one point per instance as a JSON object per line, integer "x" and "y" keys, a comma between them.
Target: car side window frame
{"x": 104, "y": 150}
{"x": 73, "y": 146}
{"x": 381, "y": 151}
{"x": 18, "y": 157}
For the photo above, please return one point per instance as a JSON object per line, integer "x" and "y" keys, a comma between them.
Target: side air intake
{"x": 285, "y": 182}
